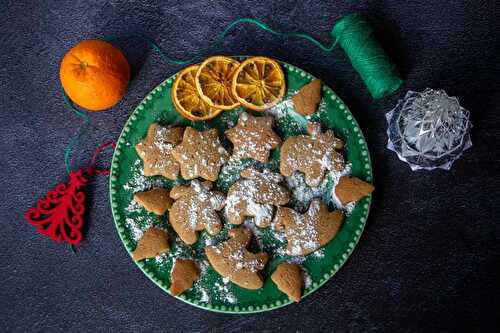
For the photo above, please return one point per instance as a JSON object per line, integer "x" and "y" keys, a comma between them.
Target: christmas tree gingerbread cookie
{"x": 195, "y": 208}
{"x": 156, "y": 151}
{"x": 311, "y": 154}
{"x": 183, "y": 275}
{"x": 156, "y": 200}
{"x": 200, "y": 154}
{"x": 255, "y": 195}
{"x": 233, "y": 261}
{"x": 253, "y": 137}
{"x": 153, "y": 242}
{"x": 306, "y": 233}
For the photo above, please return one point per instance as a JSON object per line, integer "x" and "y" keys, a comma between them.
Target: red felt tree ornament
{"x": 60, "y": 214}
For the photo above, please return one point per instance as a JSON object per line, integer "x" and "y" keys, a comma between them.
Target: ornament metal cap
{"x": 428, "y": 129}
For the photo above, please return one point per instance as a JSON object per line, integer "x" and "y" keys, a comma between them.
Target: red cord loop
{"x": 92, "y": 169}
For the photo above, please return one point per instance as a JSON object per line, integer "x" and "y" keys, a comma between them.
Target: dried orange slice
{"x": 186, "y": 99}
{"x": 259, "y": 83}
{"x": 213, "y": 82}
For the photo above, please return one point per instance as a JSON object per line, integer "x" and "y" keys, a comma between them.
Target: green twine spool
{"x": 356, "y": 37}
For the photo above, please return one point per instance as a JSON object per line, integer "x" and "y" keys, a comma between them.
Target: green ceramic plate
{"x": 211, "y": 292}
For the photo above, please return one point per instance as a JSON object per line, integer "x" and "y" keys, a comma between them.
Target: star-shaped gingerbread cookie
{"x": 311, "y": 154}
{"x": 253, "y": 137}
{"x": 308, "y": 232}
{"x": 195, "y": 209}
{"x": 200, "y": 154}
{"x": 233, "y": 261}
{"x": 156, "y": 151}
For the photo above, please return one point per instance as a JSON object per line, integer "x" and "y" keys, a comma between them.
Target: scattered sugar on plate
{"x": 133, "y": 207}
{"x": 204, "y": 296}
{"x": 297, "y": 260}
{"x": 284, "y": 112}
{"x": 138, "y": 182}
{"x": 302, "y": 193}
{"x": 320, "y": 254}
{"x": 280, "y": 110}
{"x": 224, "y": 293}
{"x": 162, "y": 259}
{"x": 307, "y": 278}
{"x": 135, "y": 230}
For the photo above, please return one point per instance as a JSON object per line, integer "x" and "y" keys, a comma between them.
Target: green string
{"x": 220, "y": 40}
{"x": 68, "y": 152}
{"x": 352, "y": 33}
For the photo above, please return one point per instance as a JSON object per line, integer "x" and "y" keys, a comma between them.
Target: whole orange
{"x": 94, "y": 74}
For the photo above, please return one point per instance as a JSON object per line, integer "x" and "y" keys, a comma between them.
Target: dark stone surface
{"x": 430, "y": 256}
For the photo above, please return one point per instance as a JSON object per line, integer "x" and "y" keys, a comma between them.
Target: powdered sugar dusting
{"x": 224, "y": 292}
{"x": 303, "y": 194}
{"x": 133, "y": 207}
{"x": 304, "y": 237}
{"x": 319, "y": 254}
{"x": 135, "y": 230}
{"x": 255, "y": 196}
{"x": 204, "y": 296}
{"x": 297, "y": 260}
{"x": 307, "y": 278}
{"x": 138, "y": 182}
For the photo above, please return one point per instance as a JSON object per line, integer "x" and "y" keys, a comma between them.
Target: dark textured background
{"x": 429, "y": 258}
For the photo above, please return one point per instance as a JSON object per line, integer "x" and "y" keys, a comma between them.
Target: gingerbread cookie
{"x": 200, "y": 154}
{"x": 183, "y": 275}
{"x": 195, "y": 209}
{"x": 311, "y": 154}
{"x": 233, "y": 261}
{"x": 288, "y": 278}
{"x": 308, "y": 232}
{"x": 153, "y": 242}
{"x": 307, "y": 99}
{"x": 156, "y": 201}
{"x": 253, "y": 137}
{"x": 255, "y": 195}
{"x": 156, "y": 151}
{"x": 351, "y": 189}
